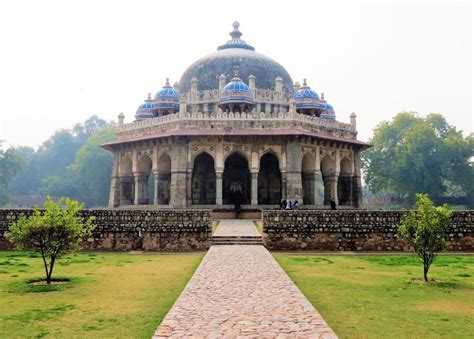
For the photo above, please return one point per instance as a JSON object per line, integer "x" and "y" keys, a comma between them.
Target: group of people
{"x": 288, "y": 205}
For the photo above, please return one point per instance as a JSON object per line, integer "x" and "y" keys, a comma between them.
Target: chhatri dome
{"x": 236, "y": 130}
{"x": 235, "y": 54}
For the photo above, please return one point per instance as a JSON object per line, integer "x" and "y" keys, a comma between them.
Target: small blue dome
{"x": 236, "y": 91}
{"x": 328, "y": 113}
{"x": 167, "y": 99}
{"x": 306, "y": 98}
{"x": 145, "y": 110}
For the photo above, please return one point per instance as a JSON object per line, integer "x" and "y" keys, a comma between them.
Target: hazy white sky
{"x": 63, "y": 61}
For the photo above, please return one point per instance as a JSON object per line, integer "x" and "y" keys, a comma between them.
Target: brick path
{"x": 240, "y": 290}
{"x": 236, "y": 227}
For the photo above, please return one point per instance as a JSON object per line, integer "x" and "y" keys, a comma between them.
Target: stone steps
{"x": 237, "y": 240}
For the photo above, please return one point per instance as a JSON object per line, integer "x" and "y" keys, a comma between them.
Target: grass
{"x": 109, "y": 294}
{"x": 377, "y": 296}
{"x": 258, "y": 225}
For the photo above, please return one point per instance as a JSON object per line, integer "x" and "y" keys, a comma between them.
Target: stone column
{"x": 189, "y": 187}
{"x": 356, "y": 183}
{"x": 317, "y": 193}
{"x": 156, "y": 178}
{"x": 179, "y": 165}
{"x": 294, "y": 185}
{"x": 141, "y": 189}
{"x": 254, "y": 194}
{"x": 333, "y": 179}
{"x": 219, "y": 200}
{"x": 114, "y": 195}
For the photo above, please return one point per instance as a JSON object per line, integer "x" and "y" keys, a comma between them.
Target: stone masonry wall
{"x": 132, "y": 229}
{"x": 353, "y": 230}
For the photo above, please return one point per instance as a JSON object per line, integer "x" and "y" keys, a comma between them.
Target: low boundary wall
{"x": 131, "y": 229}
{"x": 354, "y": 230}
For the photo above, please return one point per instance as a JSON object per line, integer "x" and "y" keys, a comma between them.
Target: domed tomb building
{"x": 236, "y": 129}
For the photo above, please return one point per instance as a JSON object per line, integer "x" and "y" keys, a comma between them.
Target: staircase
{"x": 236, "y": 232}
{"x": 237, "y": 240}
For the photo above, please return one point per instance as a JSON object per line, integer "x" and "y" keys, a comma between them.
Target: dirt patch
{"x": 53, "y": 282}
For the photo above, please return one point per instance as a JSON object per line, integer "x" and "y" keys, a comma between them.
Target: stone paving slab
{"x": 241, "y": 291}
{"x": 236, "y": 228}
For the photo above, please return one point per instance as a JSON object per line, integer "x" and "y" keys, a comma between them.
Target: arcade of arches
{"x": 213, "y": 174}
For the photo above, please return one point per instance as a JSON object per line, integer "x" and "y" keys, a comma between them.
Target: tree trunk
{"x": 425, "y": 273}
{"x": 48, "y": 279}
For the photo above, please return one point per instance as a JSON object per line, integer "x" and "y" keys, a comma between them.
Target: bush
{"x": 53, "y": 232}
{"x": 425, "y": 228}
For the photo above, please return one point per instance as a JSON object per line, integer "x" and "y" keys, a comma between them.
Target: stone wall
{"x": 132, "y": 229}
{"x": 354, "y": 230}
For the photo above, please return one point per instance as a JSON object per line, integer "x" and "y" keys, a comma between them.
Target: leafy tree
{"x": 53, "y": 232}
{"x": 412, "y": 154}
{"x": 11, "y": 162}
{"x": 424, "y": 228}
{"x": 46, "y": 171}
{"x": 92, "y": 168}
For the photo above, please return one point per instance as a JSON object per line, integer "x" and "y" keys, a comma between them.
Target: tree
{"x": 412, "y": 154}
{"x": 53, "y": 232}
{"x": 11, "y": 162}
{"x": 424, "y": 228}
{"x": 92, "y": 168}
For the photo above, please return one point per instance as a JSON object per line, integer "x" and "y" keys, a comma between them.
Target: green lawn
{"x": 376, "y": 296}
{"x": 110, "y": 294}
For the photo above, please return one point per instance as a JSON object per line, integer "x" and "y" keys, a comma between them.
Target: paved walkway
{"x": 241, "y": 291}
{"x": 236, "y": 228}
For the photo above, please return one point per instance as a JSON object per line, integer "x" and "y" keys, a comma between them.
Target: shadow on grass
{"x": 38, "y": 285}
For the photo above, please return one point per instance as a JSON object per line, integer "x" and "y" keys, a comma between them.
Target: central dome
{"x": 234, "y": 55}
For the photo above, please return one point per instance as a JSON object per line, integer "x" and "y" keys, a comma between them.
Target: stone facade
{"x": 352, "y": 230}
{"x": 128, "y": 229}
{"x": 218, "y": 140}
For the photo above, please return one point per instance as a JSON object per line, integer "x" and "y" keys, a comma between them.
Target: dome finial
{"x": 167, "y": 81}
{"x": 149, "y": 96}
{"x": 235, "y": 34}
{"x": 304, "y": 82}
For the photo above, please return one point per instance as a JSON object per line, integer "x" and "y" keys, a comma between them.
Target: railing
{"x": 224, "y": 116}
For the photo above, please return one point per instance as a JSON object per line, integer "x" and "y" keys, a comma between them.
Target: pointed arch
{"x": 203, "y": 181}
{"x": 269, "y": 180}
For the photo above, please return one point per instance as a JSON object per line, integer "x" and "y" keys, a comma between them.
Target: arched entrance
{"x": 328, "y": 172}
{"x": 308, "y": 179}
{"x": 236, "y": 180}
{"x": 141, "y": 182}
{"x": 127, "y": 185}
{"x": 344, "y": 184}
{"x": 164, "y": 180}
{"x": 269, "y": 181}
{"x": 204, "y": 180}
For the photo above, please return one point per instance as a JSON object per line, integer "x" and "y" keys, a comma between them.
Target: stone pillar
{"x": 156, "y": 178}
{"x": 254, "y": 193}
{"x": 194, "y": 89}
{"x": 317, "y": 193}
{"x": 294, "y": 185}
{"x": 283, "y": 185}
{"x": 182, "y": 108}
{"x": 219, "y": 200}
{"x": 189, "y": 187}
{"x": 333, "y": 179}
{"x": 252, "y": 79}
{"x": 179, "y": 164}
{"x": 114, "y": 194}
{"x": 356, "y": 183}
{"x": 141, "y": 189}
{"x": 121, "y": 118}
{"x": 222, "y": 79}
{"x": 353, "y": 117}
{"x": 279, "y": 88}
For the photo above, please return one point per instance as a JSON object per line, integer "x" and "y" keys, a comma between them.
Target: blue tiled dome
{"x": 236, "y": 91}
{"x": 167, "y": 99}
{"x": 145, "y": 110}
{"x": 306, "y": 98}
{"x": 328, "y": 113}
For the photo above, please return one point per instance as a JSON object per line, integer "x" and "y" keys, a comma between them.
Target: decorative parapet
{"x": 224, "y": 120}
{"x": 260, "y": 95}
